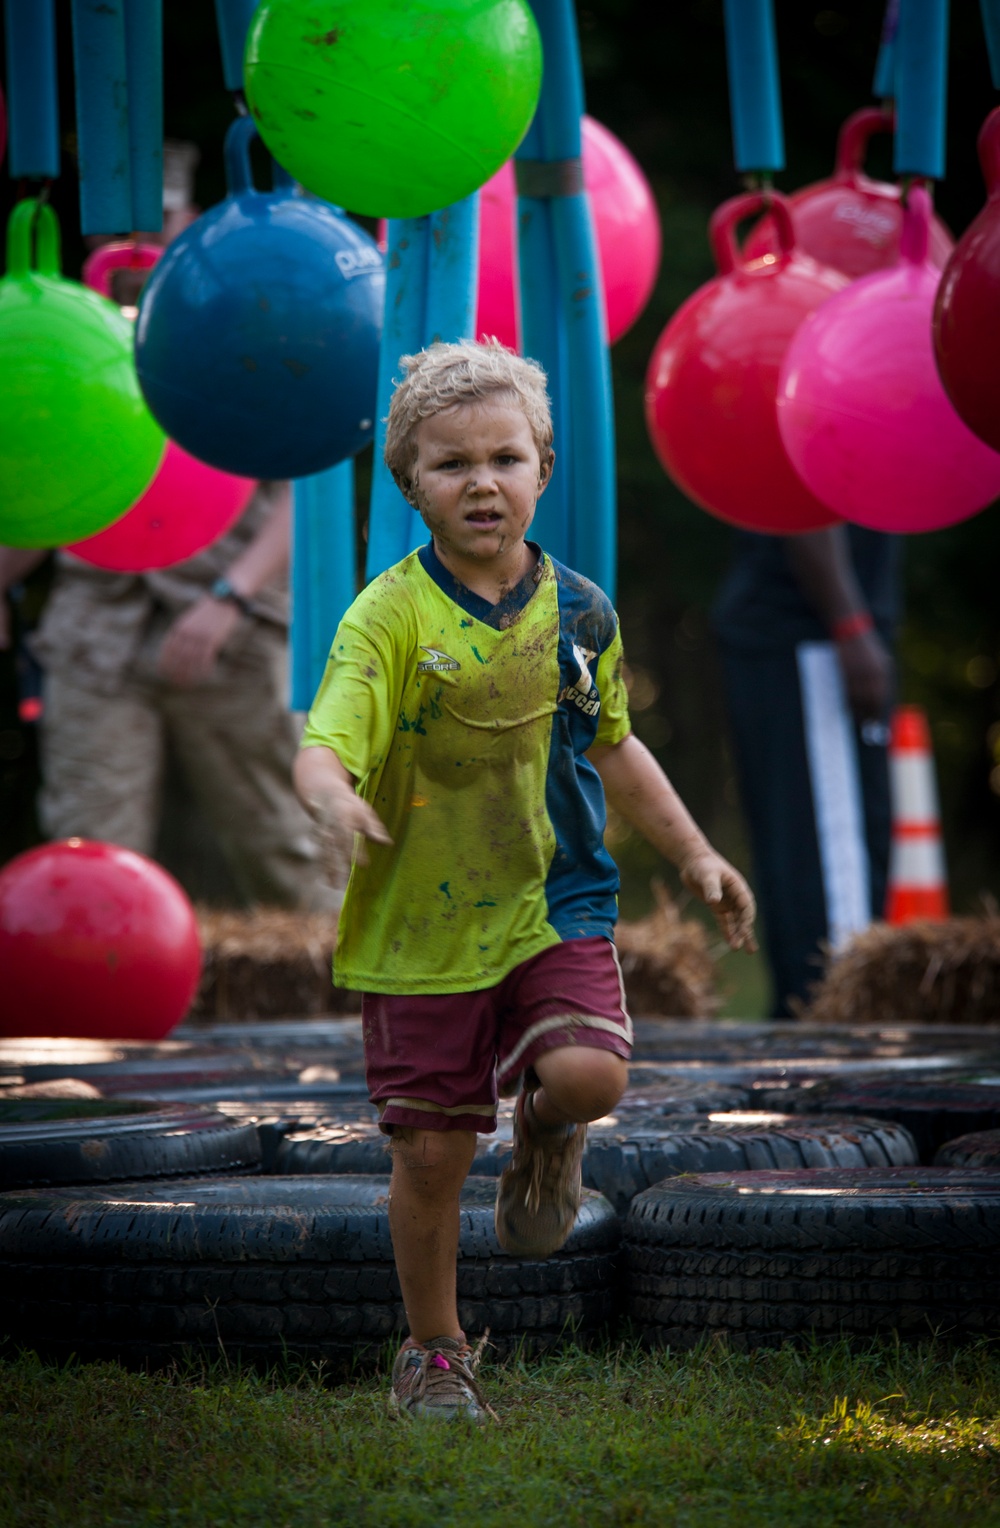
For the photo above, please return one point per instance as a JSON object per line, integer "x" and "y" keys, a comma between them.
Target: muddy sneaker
{"x": 435, "y": 1381}
{"x": 539, "y": 1193}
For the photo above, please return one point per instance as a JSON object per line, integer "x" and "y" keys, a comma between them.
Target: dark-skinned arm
{"x": 820, "y": 563}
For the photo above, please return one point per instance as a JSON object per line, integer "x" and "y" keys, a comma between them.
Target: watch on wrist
{"x": 222, "y": 589}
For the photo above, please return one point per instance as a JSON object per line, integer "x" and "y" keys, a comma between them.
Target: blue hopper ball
{"x": 258, "y": 333}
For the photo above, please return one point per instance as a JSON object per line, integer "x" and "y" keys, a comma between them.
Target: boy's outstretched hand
{"x": 636, "y": 787}
{"x": 711, "y": 878}
{"x": 342, "y": 820}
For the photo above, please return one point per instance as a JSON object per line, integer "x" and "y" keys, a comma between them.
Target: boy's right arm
{"x": 327, "y": 791}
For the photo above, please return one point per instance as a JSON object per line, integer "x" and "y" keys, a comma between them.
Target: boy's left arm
{"x": 637, "y": 788}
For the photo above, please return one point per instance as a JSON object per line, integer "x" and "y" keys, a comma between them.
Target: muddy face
{"x": 475, "y": 483}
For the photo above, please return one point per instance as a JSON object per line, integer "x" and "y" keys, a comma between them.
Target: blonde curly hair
{"x": 448, "y": 376}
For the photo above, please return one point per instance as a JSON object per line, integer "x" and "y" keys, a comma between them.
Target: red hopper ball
{"x": 967, "y": 310}
{"x": 713, "y": 376}
{"x": 96, "y": 941}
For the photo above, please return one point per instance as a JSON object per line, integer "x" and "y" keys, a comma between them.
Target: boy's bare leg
{"x": 578, "y": 1083}
{"x": 539, "y": 1193}
{"x": 428, "y": 1170}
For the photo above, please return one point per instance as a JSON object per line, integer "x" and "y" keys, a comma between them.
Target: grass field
{"x": 612, "y": 1436}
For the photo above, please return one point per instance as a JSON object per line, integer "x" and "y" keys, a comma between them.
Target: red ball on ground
{"x": 95, "y": 941}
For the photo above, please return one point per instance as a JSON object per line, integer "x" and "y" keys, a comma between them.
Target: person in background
{"x": 190, "y": 657}
{"x": 805, "y": 626}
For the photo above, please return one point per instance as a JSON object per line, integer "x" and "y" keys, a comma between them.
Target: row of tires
{"x": 657, "y": 1130}
{"x": 265, "y": 1228}
{"x": 266, "y": 1266}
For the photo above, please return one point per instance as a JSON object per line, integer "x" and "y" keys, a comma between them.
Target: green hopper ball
{"x": 393, "y": 108}
{"x": 78, "y": 445}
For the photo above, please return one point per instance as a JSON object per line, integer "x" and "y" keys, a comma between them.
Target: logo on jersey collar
{"x": 437, "y": 663}
{"x": 583, "y": 693}
{"x": 583, "y": 656}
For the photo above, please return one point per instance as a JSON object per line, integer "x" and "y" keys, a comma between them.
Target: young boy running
{"x": 470, "y": 723}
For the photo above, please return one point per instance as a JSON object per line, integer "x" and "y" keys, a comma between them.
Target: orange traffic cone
{"x": 918, "y": 886}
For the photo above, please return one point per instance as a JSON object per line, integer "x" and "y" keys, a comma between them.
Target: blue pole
{"x": 390, "y": 520}
{"x": 921, "y": 88}
{"x": 32, "y": 89}
{"x": 452, "y": 286}
{"x": 884, "y": 83}
{"x": 144, "y": 57}
{"x": 991, "y": 26}
{"x": 543, "y": 338}
{"x": 583, "y": 381}
{"x": 451, "y": 290}
{"x": 233, "y": 19}
{"x": 99, "y": 61}
{"x": 754, "y": 99}
{"x": 323, "y": 576}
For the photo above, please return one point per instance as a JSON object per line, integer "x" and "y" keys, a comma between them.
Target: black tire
{"x": 74, "y": 1140}
{"x": 720, "y": 1042}
{"x": 765, "y": 1258}
{"x": 621, "y": 1164}
{"x": 662, "y": 1090}
{"x": 285, "y": 1036}
{"x": 628, "y": 1153}
{"x": 306, "y": 1119}
{"x": 933, "y": 1112}
{"x": 200, "y": 1073}
{"x": 266, "y": 1266}
{"x": 980, "y": 1149}
{"x": 346, "y": 1139}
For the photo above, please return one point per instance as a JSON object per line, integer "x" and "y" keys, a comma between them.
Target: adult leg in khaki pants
{"x": 102, "y": 763}
{"x": 235, "y": 742}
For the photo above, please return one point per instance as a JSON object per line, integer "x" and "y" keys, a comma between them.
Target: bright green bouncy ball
{"x": 392, "y": 108}
{"x": 77, "y": 443}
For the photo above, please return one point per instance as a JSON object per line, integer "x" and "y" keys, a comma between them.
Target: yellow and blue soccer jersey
{"x": 466, "y": 726}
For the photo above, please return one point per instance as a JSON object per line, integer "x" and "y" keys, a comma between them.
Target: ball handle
{"x": 723, "y": 222}
{"x": 239, "y": 171}
{"x": 854, "y": 137}
{"x": 915, "y": 236}
{"x": 33, "y": 239}
{"x": 122, "y": 255}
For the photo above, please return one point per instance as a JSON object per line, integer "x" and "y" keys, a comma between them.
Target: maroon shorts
{"x": 435, "y": 1061}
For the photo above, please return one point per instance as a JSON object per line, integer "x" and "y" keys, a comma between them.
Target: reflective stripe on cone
{"x": 918, "y": 883}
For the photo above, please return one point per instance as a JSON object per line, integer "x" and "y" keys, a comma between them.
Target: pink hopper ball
{"x": 95, "y": 941}
{"x": 967, "y": 312}
{"x": 626, "y": 224}
{"x": 711, "y": 382}
{"x": 861, "y": 409}
{"x": 188, "y": 505}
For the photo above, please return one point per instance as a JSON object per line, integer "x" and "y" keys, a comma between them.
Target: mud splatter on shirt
{"x": 466, "y": 725}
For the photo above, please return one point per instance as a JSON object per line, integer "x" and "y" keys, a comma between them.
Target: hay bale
{"x": 268, "y": 963}
{"x": 666, "y": 962}
{"x": 920, "y": 973}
